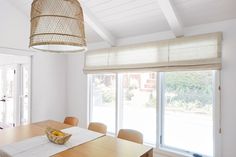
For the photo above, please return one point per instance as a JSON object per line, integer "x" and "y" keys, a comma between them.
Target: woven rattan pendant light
{"x": 57, "y": 26}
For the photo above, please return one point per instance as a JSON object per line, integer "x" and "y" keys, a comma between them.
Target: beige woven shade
{"x": 190, "y": 52}
{"x": 57, "y": 26}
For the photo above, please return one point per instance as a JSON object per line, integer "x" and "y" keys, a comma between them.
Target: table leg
{"x": 148, "y": 154}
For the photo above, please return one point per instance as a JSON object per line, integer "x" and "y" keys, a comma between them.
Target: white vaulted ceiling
{"x": 195, "y": 12}
{"x": 129, "y": 17}
{"x": 115, "y": 19}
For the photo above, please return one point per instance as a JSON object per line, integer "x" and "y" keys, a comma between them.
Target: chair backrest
{"x": 98, "y": 127}
{"x": 71, "y": 121}
{"x": 131, "y": 135}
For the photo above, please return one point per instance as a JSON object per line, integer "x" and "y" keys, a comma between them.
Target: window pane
{"x": 25, "y": 95}
{"x": 187, "y": 111}
{"x": 103, "y": 100}
{"x": 10, "y": 90}
{"x": 138, "y": 104}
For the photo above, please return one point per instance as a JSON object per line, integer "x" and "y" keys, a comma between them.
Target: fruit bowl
{"x": 57, "y": 136}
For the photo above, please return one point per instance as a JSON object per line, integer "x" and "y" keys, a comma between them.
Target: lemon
{"x": 57, "y": 133}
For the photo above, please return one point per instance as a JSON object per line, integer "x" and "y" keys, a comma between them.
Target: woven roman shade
{"x": 57, "y": 26}
{"x": 202, "y": 51}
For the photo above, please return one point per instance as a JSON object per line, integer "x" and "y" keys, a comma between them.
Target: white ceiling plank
{"x": 98, "y": 27}
{"x": 21, "y": 6}
{"x": 172, "y": 17}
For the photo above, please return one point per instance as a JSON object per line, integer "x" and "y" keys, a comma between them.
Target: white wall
{"x": 14, "y": 27}
{"x": 77, "y": 98}
{"x": 13, "y": 59}
{"x": 48, "y": 70}
{"x": 49, "y": 87}
{"x": 77, "y": 88}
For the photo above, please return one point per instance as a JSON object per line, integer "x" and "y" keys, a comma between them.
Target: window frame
{"x": 159, "y": 110}
{"x": 216, "y": 118}
{"x": 90, "y": 100}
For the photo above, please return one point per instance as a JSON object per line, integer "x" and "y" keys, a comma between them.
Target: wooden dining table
{"x": 105, "y": 146}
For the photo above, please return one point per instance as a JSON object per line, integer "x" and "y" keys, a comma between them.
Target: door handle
{"x": 3, "y": 100}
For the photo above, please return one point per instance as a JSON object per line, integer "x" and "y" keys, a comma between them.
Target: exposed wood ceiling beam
{"x": 97, "y": 26}
{"x": 172, "y": 17}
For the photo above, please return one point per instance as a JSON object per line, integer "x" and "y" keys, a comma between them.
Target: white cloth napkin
{"x": 41, "y": 147}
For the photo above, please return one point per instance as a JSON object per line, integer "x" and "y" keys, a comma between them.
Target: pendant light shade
{"x": 57, "y": 26}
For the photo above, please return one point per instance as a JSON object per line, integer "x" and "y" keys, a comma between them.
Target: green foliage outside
{"x": 189, "y": 90}
{"x": 103, "y": 83}
{"x": 152, "y": 100}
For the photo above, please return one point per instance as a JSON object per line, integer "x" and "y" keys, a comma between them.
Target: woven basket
{"x": 56, "y": 136}
{"x": 57, "y": 26}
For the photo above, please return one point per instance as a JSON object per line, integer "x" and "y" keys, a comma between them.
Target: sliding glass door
{"x": 175, "y": 111}
{"x": 187, "y": 111}
{"x": 138, "y": 104}
{"x": 103, "y": 100}
{"x": 125, "y": 100}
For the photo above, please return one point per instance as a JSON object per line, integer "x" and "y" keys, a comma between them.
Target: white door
{"x": 14, "y": 95}
{"x": 7, "y": 95}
